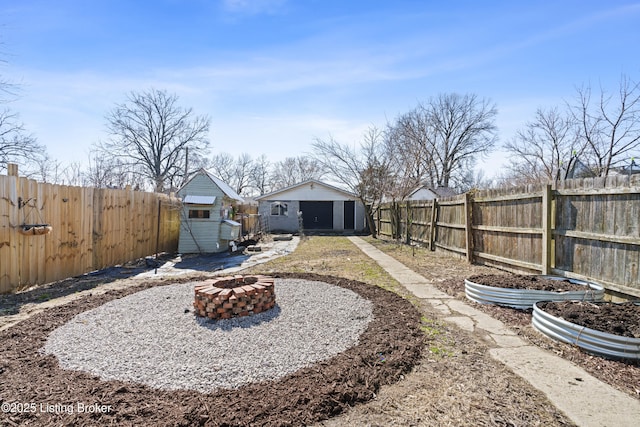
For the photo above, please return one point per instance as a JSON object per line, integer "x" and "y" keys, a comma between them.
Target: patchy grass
{"x": 440, "y": 343}
{"x": 435, "y": 266}
{"x": 337, "y": 256}
{"x": 331, "y": 255}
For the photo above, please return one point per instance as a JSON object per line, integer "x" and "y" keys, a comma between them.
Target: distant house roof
{"x": 577, "y": 169}
{"x": 445, "y": 191}
{"x": 274, "y": 194}
{"x": 632, "y": 168}
{"x": 422, "y": 191}
{"x": 224, "y": 187}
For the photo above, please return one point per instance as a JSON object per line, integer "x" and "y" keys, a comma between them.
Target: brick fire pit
{"x": 233, "y": 296}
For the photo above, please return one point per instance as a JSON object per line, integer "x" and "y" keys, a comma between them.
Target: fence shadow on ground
{"x": 211, "y": 262}
{"x": 12, "y": 303}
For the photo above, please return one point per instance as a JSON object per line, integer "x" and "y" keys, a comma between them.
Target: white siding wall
{"x": 287, "y": 223}
{"x": 338, "y": 215}
{"x": 201, "y": 235}
{"x": 361, "y": 220}
{"x": 312, "y": 191}
{"x": 290, "y": 224}
{"x": 423, "y": 194}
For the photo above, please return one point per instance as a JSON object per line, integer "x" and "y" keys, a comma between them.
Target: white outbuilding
{"x": 208, "y": 206}
{"x": 312, "y": 206}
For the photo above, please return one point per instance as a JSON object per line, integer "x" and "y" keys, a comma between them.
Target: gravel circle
{"x": 152, "y": 337}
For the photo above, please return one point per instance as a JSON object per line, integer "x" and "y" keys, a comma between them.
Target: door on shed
{"x": 317, "y": 215}
{"x": 349, "y": 214}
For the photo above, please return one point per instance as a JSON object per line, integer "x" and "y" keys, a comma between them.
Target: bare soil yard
{"x": 623, "y": 375}
{"x": 389, "y": 348}
{"x": 410, "y": 367}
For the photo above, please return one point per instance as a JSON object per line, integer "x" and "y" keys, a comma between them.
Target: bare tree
{"x": 109, "y": 172}
{"x": 221, "y": 165}
{"x": 463, "y": 128}
{"x": 49, "y": 170}
{"x": 442, "y": 138}
{"x": 73, "y": 174}
{"x": 17, "y": 146}
{"x": 610, "y": 124}
{"x": 364, "y": 170}
{"x": 243, "y": 167}
{"x": 8, "y": 89}
{"x": 260, "y": 175}
{"x": 293, "y": 170}
{"x": 186, "y": 165}
{"x": 150, "y": 130}
{"x": 547, "y": 146}
{"x": 406, "y": 154}
{"x": 235, "y": 172}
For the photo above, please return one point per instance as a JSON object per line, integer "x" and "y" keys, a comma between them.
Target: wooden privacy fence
{"x": 247, "y": 216}
{"x": 584, "y": 229}
{"x": 91, "y": 229}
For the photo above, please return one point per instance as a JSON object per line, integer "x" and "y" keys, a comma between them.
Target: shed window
{"x": 278, "y": 209}
{"x": 199, "y": 213}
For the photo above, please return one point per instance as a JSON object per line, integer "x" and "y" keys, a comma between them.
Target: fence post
{"x": 395, "y": 221}
{"x": 18, "y": 240}
{"x": 408, "y": 224}
{"x": 158, "y": 234}
{"x": 546, "y": 228}
{"x": 10, "y": 252}
{"x": 468, "y": 225}
{"x": 12, "y": 169}
{"x": 432, "y": 227}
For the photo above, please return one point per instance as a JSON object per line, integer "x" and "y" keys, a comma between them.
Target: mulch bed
{"x": 621, "y": 374}
{"x": 520, "y": 281}
{"x": 618, "y": 319}
{"x": 390, "y": 347}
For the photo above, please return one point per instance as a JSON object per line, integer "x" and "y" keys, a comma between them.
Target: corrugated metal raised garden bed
{"x": 604, "y": 328}
{"x": 521, "y": 291}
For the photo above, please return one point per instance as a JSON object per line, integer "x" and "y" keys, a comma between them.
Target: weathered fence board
{"x": 420, "y": 217}
{"x": 597, "y": 231}
{"x": 91, "y": 229}
{"x": 384, "y": 220}
{"x": 451, "y": 224}
{"x": 586, "y": 229}
{"x": 507, "y": 227}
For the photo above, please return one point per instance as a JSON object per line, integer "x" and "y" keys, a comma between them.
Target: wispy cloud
{"x": 588, "y": 22}
{"x": 300, "y": 129}
{"x": 278, "y": 75}
{"x": 253, "y": 7}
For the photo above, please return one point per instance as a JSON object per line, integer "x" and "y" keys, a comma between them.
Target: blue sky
{"x": 275, "y": 74}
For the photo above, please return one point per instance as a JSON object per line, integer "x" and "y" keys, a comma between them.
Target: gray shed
{"x": 322, "y": 207}
{"x": 207, "y": 223}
